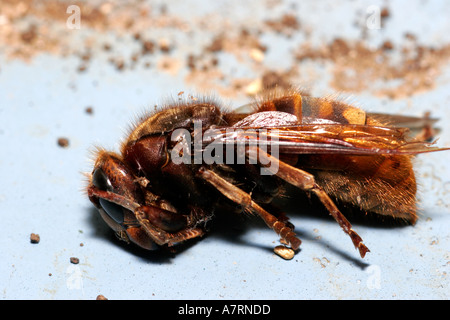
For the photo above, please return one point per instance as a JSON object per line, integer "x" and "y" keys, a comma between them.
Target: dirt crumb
{"x": 63, "y": 142}
{"x": 35, "y": 238}
{"x": 89, "y": 110}
{"x": 272, "y": 79}
{"x": 74, "y": 260}
{"x": 396, "y": 69}
{"x": 357, "y": 67}
{"x": 286, "y": 24}
{"x": 284, "y": 252}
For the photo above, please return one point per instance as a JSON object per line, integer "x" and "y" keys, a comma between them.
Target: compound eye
{"x": 101, "y": 181}
{"x": 113, "y": 210}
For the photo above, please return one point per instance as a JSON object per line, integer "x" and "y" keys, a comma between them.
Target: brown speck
{"x": 134, "y": 57}
{"x": 86, "y": 56}
{"x": 148, "y": 47}
{"x": 164, "y": 46}
{"x": 120, "y": 64}
{"x": 101, "y": 297}
{"x": 273, "y": 79}
{"x": 285, "y": 24}
{"x": 320, "y": 262}
{"x": 82, "y": 68}
{"x": 35, "y": 238}
{"x": 74, "y": 260}
{"x": 385, "y": 13}
{"x": 63, "y": 142}
{"x": 89, "y": 110}
{"x": 216, "y": 45}
{"x": 137, "y": 36}
{"x": 290, "y": 21}
{"x": 434, "y": 241}
{"x": 387, "y": 45}
{"x": 30, "y": 35}
{"x": 410, "y": 36}
{"x": 191, "y": 62}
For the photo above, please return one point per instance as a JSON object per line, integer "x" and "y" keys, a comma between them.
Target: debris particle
{"x": 82, "y": 68}
{"x": 385, "y": 13}
{"x": 101, "y": 297}
{"x": 387, "y": 45}
{"x": 284, "y": 252}
{"x": 434, "y": 241}
{"x": 120, "y": 64}
{"x": 273, "y": 79}
{"x": 35, "y": 238}
{"x": 257, "y": 54}
{"x": 191, "y": 62}
{"x": 285, "y": 24}
{"x": 89, "y": 110}
{"x": 74, "y": 260}
{"x": 63, "y": 142}
{"x": 354, "y": 66}
{"x": 254, "y": 87}
{"x": 30, "y": 35}
{"x": 216, "y": 45}
{"x": 148, "y": 47}
{"x": 323, "y": 262}
{"x": 164, "y": 45}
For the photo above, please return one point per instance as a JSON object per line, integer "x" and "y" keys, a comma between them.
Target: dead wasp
{"x": 180, "y": 164}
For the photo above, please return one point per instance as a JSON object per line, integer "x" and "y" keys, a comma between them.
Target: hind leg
{"x": 306, "y": 181}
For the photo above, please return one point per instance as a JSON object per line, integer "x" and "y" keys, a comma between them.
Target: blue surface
{"x": 42, "y": 185}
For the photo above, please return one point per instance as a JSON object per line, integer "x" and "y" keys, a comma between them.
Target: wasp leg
{"x": 113, "y": 197}
{"x": 242, "y": 198}
{"x": 306, "y": 181}
{"x": 427, "y": 132}
{"x": 162, "y": 237}
{"x": 159, "y": 236}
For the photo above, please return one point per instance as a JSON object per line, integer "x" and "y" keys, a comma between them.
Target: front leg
{"x": 160, "y": 236}
{"x": 146, "y": 225}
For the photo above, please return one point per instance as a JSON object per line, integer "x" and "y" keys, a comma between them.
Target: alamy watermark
{"x": 373, "y": 20}
{"x": 374, "y": 279}
{"x": 74, "y": 20}
{"x": 230, "y": 146}
{"x": 74, "y": 279}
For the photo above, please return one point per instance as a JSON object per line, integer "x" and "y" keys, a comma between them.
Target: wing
{"x": 416, "y": 125}
{"x": 395, "y": 120}
{"x": 324, "y": 138}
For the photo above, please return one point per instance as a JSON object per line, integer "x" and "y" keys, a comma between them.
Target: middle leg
{"x": 239, "y": 196}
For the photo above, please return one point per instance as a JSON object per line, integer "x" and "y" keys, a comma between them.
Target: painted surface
{"x": 51, "y": 71}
